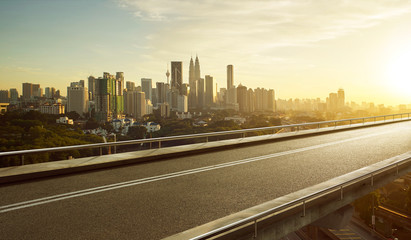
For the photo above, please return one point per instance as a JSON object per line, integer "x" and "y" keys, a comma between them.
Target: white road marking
{"x": 59, "y": 197}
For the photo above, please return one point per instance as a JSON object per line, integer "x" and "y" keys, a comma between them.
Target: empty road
{"x": 157, "y": 199}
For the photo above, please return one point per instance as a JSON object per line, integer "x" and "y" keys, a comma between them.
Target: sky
{"x": 299, "y": 48}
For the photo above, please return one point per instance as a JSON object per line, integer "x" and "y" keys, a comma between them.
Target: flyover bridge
{"x": 158, "y": 199}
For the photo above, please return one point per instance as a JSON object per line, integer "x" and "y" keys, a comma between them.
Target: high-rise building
{"x": 4, "y": 96}
{"x": 36, "y": 90}
{"x": 161, "y": 92}
{"x": 341, "y": 98}
{"x": 209, "y": 91}
{"x": 146, "y": 87}
{"x": 77, "y": 98}
{"x": 192, "y": 81}
{"x": 242, "y": 98}
{"x": 92, "y": 87}
{"x": 109, "y": 97}
{"x": 14, "y": 96}
{"x": 130, "y": 86}
{"x": 27, "y": 91}
{"x": 197, "y": 74}
{"x": 332, "y": 102}
{"x": 270, "y": 100}
{"x": 136, "y": 103}
{"x": 230, "y": 76}
{"x": 47, "y": 92}
{"x": 53, "y": 92}
{"x": 201, "y": 93}
{"x": 176, "y": 75}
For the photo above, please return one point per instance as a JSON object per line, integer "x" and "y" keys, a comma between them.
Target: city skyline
{"x": 285, "y": 45}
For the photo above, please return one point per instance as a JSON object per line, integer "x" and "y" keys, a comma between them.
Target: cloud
{"x": 261, "y": 23}
{"x": 252, "y": 34}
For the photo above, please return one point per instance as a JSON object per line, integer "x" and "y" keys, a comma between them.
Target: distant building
{"x": 230, "y": 76}
{"x": 3, "y": 107}
{"x": 14, "y": 96}
{"x": 209, "y": 91}
{"x": 64, "y": 120}
{"x": 91, "y": 88}
{"x": 200, "y": 93}
{"x": 177, "y": 75}
{"x": 242, "y": 98}
{"x": 56, "y": 108}
{"x": 146, "y": 87}
{"x": 4, "y": 96}
{"x": 109, "y": 97}
{"x": 77, "y": 98}
{"x": 136, "y": 104}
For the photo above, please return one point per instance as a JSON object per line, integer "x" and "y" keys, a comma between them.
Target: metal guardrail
{"x": 243, "y": 132}
{"x": 303, "y": 200}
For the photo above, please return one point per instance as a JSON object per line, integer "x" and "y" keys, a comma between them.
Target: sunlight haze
{"x": 299, "y": 48}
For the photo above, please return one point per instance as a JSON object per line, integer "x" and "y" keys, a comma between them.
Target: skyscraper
{"x": 201, "y": 93}
{"x": 77, "y": 98}
{"x": 109, "y": 97}
{"x": 27, "y": 91}
{"x": 161, "y": 92}
{"x": 242, "y": 98}
{"x": 14, "y": 95}
{"x": 176, "y": 75}
{"x": 146, "y": 87}
{"x": 4, "y": 96}
{"x": 209, "y": 91}
{"x": 92, "y": 87}
{"x": 197, "y": 69}
{"x": 341, "y": 98}
{"x": 230, "y": 76}
{"x": 192, "y": 80}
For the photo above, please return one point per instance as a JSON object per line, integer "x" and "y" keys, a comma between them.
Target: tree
{"x": 73, "y": 115}
{"x": 92, "y": 124}
{"x": 137, "y": 132}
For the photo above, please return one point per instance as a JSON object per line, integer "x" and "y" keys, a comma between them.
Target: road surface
{"x": 157, "y": 199}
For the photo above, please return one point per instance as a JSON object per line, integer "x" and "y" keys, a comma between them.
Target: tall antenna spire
{"x": 168, "y": 75}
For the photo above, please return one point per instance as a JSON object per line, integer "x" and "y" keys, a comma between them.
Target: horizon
{"x": 287, "y": 46}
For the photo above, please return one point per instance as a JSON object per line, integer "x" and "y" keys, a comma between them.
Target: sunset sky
{"x": 299, "y": 48}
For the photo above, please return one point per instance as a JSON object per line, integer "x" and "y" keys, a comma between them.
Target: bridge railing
{"x": 404, "y": 160}
{"x": 206, "y": 136}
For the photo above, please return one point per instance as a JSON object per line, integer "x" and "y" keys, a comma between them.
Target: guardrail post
{"x": 372, "y": 179}
{"x": 159, "y": 144}
{"x": 115, "y": 147}
{"x": 363, "y": 121}
{"x": 384, "y": 118}
{"x": 22, "y": 160}
{"x": 375, "y": 119}
{"x": 101, "y": 151}
{"x": 341, "y": 193}
{"x": 335, "y": 124}
{"x": 151, "y": 144}
{"x": 243, "y": 135}
{"x": 303, "y": 209}
{"x": 207, "y": 139}
{"x": 350, "y": 122}
{"x": 318, "y": 126}
{"x": 298, "y": 128}
{"x": 255, "y": 229}
{"x": 396, "y": 166}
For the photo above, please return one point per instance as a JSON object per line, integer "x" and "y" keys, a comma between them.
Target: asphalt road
{"x": 158, "y": 199}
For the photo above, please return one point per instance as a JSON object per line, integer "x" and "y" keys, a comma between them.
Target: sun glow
{"x": 398, "y": 72}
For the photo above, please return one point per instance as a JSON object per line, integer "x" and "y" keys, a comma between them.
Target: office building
{"x": 77, "y": 98}
{"x": 209, "y": 91}
{"x": 230, "y": 76}
{"x": 4, "y": 96}
{"x": 109, "y": 97}
{"x": 14, "y": 96}
{"x": 146, "y": 87}
{"x": 176, "y": 75}
{"x": 92, "y": 88}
